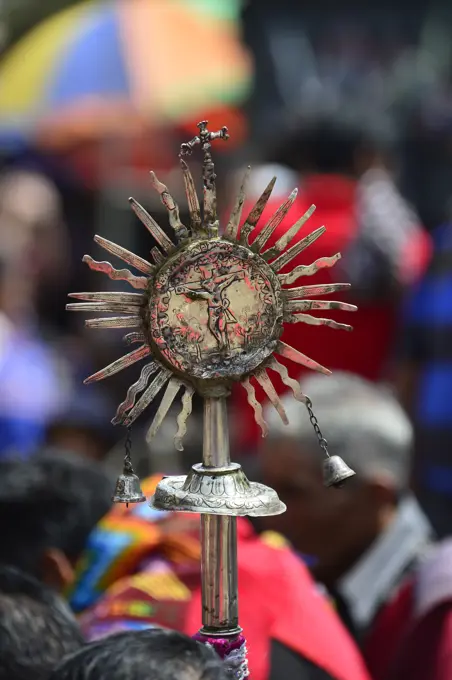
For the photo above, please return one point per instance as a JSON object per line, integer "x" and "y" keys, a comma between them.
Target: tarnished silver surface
{"x": 220, "y": 491}
{"x": 128, "y": 489}
{"x": 205, "y": 139}
{"x": 139, "y": 282}
{"x": 215, "y": 434}
{"x": 216, "y": 486}
{"x": 256, "y": 213}
{"x": 220, "y": 611}
{"x": 150, "y": 224}
{"x": 170, "y": 204}
{"x": 282, "y": 243}
{"x": 273, "y": 223}
{"x": 286, "y": 257}
{"x": 223, "y": 491}
{"x": 336, "y": 471}
{"x": 130, "y": 258}
{"x": 215, "y": 311}
{"x": 232, "y": 227}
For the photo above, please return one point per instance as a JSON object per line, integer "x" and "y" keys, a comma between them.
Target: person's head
{"x": 339, "y": 142}
{"x": 135, "y": 655}
{"x": 37, "y": 628}
{"x": 33, "y": 240}
{"x": 32, "y": 232}
{"x": 365, "y": 425}
{"x": 83, "y": 427}
{"x": 48, "y": 506}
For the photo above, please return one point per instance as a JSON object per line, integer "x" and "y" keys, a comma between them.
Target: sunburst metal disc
{"x": 215, "y": 311}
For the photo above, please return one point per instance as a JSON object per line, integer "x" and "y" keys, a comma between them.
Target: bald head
{"x": 362, "y": 422}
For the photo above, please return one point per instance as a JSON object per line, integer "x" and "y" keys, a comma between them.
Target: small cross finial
{"x": 205, "y": 139}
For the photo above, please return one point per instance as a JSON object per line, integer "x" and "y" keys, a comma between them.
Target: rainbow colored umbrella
{"x": 117, "y": 65}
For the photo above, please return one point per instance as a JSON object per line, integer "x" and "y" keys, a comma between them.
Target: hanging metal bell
{"x": 336, "y": 471}
{"x": 128, "y": 489}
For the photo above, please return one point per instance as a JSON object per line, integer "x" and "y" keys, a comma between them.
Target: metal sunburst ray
{"x": 171, "y": 393}
{"x": 125, "y": 255}
{"x": 317, "y": 321}
{"x": 120, "y": 364}
{"x": 308, "y": 305}
{"x": 184, "y": 414}
{"x": 149, "y": 395}
{"x": 286, "y": 379}
{"x": 304, "y": 291}
{"x": 133, "y": 299}
{"x": 282, "y": 243}
{"x": 192, "y": 199}
{"x": 106, "y": 307}
{"x": 265, "y": 382}
{"x": 151, "y": 225}
{"x": 294, "y": 355}
{"x": 139, "y": 282}
{"x": 309, "y": 269}
{"x": 232, "y": 227}
{"x": 273, "y": 223}
{"x": 170, "y": 204}
{"x": 115, "y": 322}
{"x": 255, "y": 405}
{"x": 295, "y": 250}
{"x": 256, "y": 212}
{"x": 133, "y": 391}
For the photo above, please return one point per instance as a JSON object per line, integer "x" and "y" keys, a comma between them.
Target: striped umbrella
{"x": 118, "y": 65}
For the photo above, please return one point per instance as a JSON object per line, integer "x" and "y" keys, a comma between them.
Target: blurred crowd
{"x": 352, "y": 104}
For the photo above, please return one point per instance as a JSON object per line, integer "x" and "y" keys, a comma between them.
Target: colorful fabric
{"x": 141, "y": 568}
{"x": 100, "y": 59}
{"x": 232, "y": 651}
{"x": 126, "y": 543}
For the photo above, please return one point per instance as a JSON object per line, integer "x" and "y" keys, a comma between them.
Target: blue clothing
{"x": 30, "y": 393}
{"x": 427, "y": 341}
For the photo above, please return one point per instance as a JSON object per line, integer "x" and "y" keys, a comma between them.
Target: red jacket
{"x": 142, "y": 568}
{"x": 278, "y": 600}
{"x": 412, "y": 638}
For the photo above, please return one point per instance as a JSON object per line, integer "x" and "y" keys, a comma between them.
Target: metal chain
{"x": 315, "y": 424}
{"x": 128, "y": 448}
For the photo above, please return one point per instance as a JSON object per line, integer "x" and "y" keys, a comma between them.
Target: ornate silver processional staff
{"x": 209, "y": 312}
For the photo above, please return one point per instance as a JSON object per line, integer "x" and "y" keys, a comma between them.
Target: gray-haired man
{"x": 364, "y": 537}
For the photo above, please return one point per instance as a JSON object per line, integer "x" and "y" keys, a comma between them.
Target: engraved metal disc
{"x": 215, "y": 310}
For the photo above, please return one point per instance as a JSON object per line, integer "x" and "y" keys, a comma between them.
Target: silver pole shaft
{"x": 215, "y": 451}
{"x": 218, "y": 534}
{"x": 219, "y": 574}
